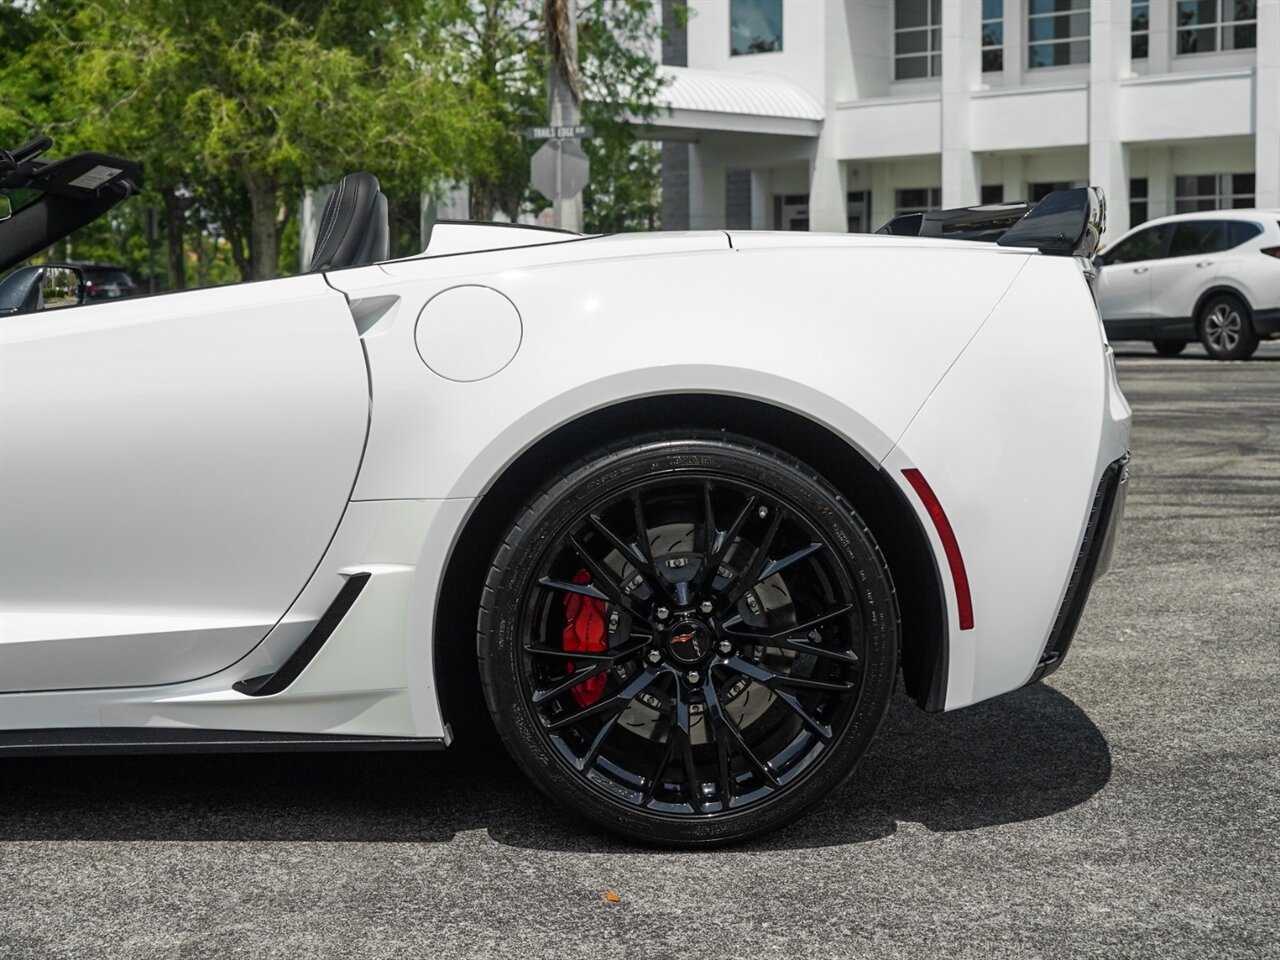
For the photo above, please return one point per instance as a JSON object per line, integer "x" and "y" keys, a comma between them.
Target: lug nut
{"x": 693, "y": 676}
{"x": 663, "y": 613}
{"x": 726, "y": 647}
{"x": 655, "y": 656}
{"x": 762, "y": 512}
{"x": 706, "y": 606}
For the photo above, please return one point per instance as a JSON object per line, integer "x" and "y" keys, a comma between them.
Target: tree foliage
{"x": 235, "y": 108}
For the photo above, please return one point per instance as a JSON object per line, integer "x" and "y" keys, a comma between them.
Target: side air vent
{"x": 271, "y": 683}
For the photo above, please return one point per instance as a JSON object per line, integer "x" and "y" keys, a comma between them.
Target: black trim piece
{"x": 1099, "y": 536}
{"x": 125, "y": 740}
{"x": 265, "y": 686}
{"x": 928, "y": 623}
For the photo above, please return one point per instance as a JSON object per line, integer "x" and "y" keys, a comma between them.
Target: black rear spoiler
{"x": 1066, "y": 223}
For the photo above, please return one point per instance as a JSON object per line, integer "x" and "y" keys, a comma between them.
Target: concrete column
{"x": 1159, "y": 182}
{"x": 761, "y": 201}
{"x": 961, "y": 75}
{"x": 881, "y": 195}
{"x": 828, "y": 206}
{"x": 706, "y": 191}
{"x": 1160, "y": 43}
{"x": 1015, "y": 178}
{"x": 1266, "y": 165}
{"x": 1015, "y": 25}
{"x": 1109, "y": 62}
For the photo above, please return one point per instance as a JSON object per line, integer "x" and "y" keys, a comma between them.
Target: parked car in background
{"x": 105, "y": 281}
{"x": 1212, "y": 277}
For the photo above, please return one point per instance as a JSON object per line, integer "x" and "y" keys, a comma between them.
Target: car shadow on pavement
{"x": 1030, "y": 754}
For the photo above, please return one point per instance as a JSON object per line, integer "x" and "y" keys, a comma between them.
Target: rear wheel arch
{"x": 1217, "y": 289}
{"x": 879, "y": 501}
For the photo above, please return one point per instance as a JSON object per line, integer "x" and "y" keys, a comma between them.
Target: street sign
{"x": 574, "y": 132}
{"x": 562, "y": 164}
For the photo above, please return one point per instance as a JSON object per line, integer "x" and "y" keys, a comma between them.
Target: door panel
{"x": 1124, "y": 282}
{"x": 172, "y": 469}
{"x": 1196, "y": 254}
{"x": 1124, "y": 291}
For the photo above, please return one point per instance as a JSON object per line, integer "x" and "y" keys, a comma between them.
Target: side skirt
{"x": 125, "y": 740}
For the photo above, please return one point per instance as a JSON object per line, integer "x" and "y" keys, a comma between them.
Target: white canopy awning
{"x": 739, "y": 102}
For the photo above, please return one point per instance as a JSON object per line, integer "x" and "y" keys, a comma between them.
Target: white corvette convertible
{"x": 688, "y": 503}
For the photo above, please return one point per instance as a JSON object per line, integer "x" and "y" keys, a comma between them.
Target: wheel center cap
{"x": 689, "y": 643}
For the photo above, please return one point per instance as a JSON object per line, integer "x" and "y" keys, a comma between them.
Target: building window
{"x": 916, "y": 200}
{"x": 993, "y": 193}
{"x": 859, "y": 211}
{"x": 992, "y": 35}
{"x": 1057, "y": 32}
{"x": 1139, "y": 29}
{"x": 1208, "y": 25}
{"x": 917, "y": 39}
{"x": 755, "y": 26}
{"x": 1221, "y": 191}
{"x": 1039, "y": 191}
{"x": 1138, "y": 210}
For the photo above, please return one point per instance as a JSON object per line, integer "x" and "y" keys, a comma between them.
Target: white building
{"x": 838, "y": 114}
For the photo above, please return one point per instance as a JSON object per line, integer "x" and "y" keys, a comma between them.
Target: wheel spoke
{"x": 585, "y": 589}
{"x": 596, "y": 656}
{"x": 611, "y": 705}
{"x": 750, "y": 576}
{"x": 723, "y": 541}
{"x": 773, "y": 679}
{"x": 602, "y": 578}
{"x": 588, "y": 759}
{"x": 681, "y": 731}
{"x": 776, "y": 566}
{"x": 805, "y": 627}
{"x": 651, "y": 789}
{"x": 716, "y": 724}
{"x": 740, "y": 741}
{"x": 575, "y": 678}
{"x": 775, "y": 682}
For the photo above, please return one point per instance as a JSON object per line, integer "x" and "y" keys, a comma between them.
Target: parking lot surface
{"x": 1126, "y": 808}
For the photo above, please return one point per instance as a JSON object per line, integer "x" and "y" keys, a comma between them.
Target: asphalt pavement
{"x": 1125, "y": 808}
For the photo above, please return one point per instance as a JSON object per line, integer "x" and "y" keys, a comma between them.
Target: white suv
{"x": 1211, "y": 276}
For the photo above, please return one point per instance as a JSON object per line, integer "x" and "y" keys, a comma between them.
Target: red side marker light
{"x": 964, "y": 602}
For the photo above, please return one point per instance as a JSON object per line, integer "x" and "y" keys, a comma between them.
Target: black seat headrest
{"x": 354, "y": 228}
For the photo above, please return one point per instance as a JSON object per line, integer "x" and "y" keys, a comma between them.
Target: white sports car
{"x": 689, "y": 502}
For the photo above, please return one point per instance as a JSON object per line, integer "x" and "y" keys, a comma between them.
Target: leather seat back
{"x": 354, "y": 229}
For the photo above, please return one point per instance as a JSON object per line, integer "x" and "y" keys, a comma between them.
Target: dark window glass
{"x": 917, "y": 39}
{"x": 993, "y": 193}
{"x": 1198, "y": 237}
{"x": 910, "y": 13}
{"x": 1144, "y": 245}
{"x": 1057, "y": 6}
{"x": 915, "y": 199}
{"x": 755, "y": 26}
{"x": 992, "y": 60}
{"x": 992, "y": 9}
{"x": 1241, "y": 231}
{"x": 910, "y": 68}
{"x": 1207, "y": 25}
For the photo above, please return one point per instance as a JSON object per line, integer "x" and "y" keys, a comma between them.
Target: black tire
{"x": 1169, "y": 348}
{"x": 1226, "y": 328}
{"x": 811, "y": 704}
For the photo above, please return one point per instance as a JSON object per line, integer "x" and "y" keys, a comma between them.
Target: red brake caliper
{"x": 584, "y": 632}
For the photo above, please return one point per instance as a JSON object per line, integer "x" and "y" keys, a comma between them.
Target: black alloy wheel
{"x": 688, "y": 641}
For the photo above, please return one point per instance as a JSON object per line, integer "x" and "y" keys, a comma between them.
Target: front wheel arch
{"x": 878, "y": 500}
